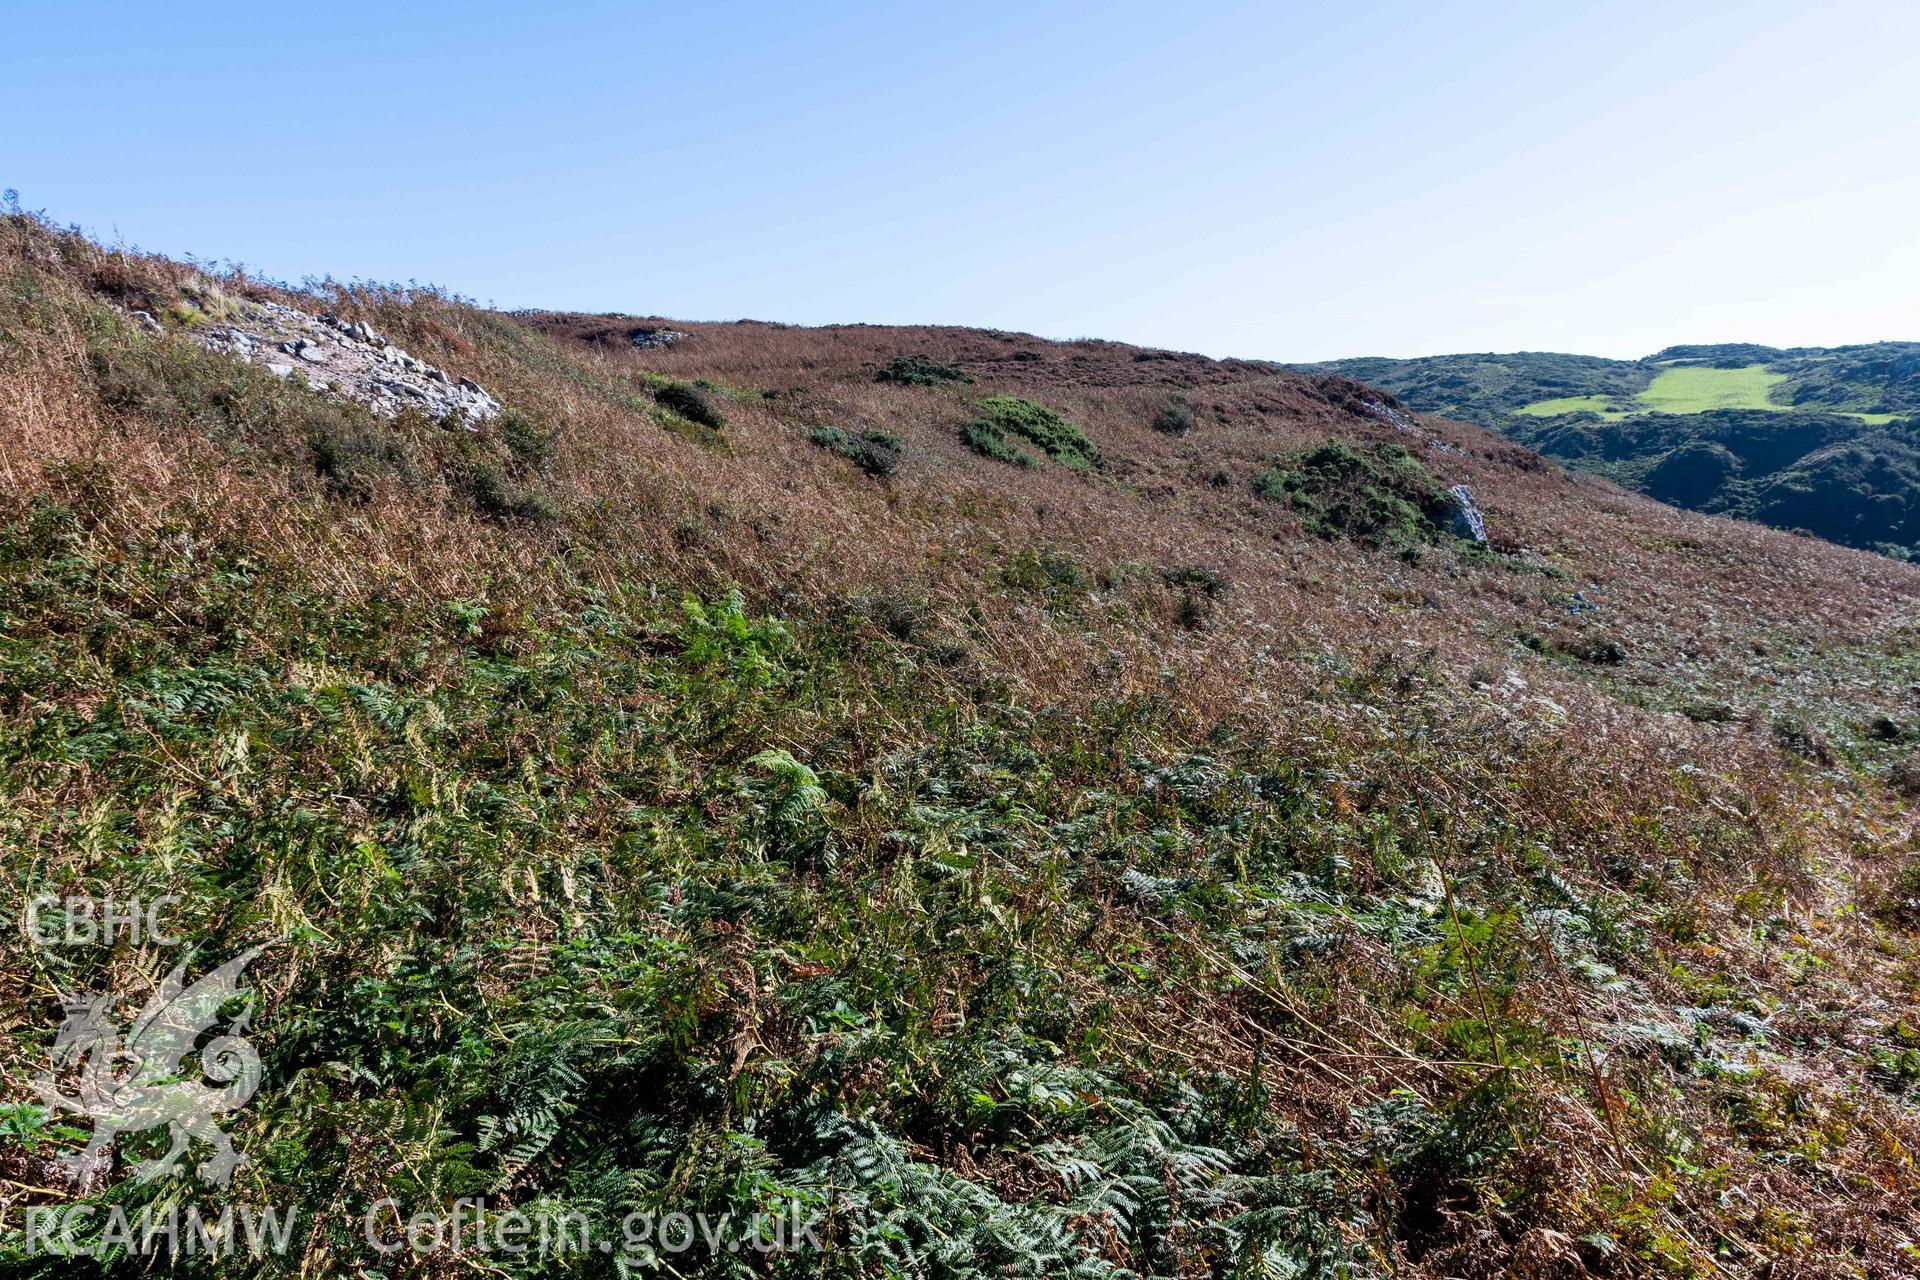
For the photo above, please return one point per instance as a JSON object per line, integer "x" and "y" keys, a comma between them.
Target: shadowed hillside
{"x": 1036, "y": 808}
{"x": 1822, "y": 440}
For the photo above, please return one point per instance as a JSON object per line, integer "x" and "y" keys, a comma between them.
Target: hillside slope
{"x": 1825, "y": 440}
{"x": 1036, "y": 808}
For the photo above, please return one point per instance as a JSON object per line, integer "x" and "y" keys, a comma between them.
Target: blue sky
{"x": 1272, "y": 180}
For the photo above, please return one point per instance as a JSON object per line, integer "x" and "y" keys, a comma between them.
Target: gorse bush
{"x": 354, "y": 456}
{"x": 689, "y": 402}
{"x": 874, "y": 452}
{"x": 1003, "y": 420}
{"x": 1174, "y": 417}
{"x": 1377, "y": 495}
{"x": 498, "y": 497}
{"x": 528, "y": 441}
{"x": 981, "y": 437}
{"x": 919, "y": 371}
{"x": 1047, "y": 571}
{"x": 1199, "y": 588}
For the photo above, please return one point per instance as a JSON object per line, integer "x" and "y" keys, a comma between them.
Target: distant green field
{"x": 1688, "y": 389}
{"x": 1696, "y": 390}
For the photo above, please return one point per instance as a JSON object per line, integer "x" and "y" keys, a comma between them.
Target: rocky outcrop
{"x": 1468, "y": 523}
{"x": 347, "y": 358}
{"x": 1388, "y": 414}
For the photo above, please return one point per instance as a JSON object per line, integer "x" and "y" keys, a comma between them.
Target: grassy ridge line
{"x": 1031, "y": 919}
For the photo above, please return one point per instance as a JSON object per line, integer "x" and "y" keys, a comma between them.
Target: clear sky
{"x": 1274, "y": 180}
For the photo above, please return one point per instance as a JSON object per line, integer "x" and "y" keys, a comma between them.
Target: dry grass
{"x": 1417, "y": 674}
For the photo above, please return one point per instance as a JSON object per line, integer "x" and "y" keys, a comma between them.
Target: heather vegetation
{"x": 1025, "y": 871}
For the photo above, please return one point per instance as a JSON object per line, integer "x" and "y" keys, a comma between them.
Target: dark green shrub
{"x": 1601, "y": 650}
{"x": 1904, "y": 777}
{"x": 1377, "y": 495}
{"x": 1194, "y": 577}
{"x": 1900, "y": 903}
{"x": 982, "y": 438}
{"x": 690, "y": 402}
{"x": 1175, "y": 417}
{"x": 1582, "y": 646}
{"x": 918, "y": 371}
{"x": 1001, "y": 417}
{"x": 1691, "y": 474}
{"x": 874, "y": 452}
{"x": 1885, "y": 729}
{"x": 901, "y": 615}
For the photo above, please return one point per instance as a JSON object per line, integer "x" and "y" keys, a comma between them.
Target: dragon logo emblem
{"x": 134, "y": 1083}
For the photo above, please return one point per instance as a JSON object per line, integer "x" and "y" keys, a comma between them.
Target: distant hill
{"x": 1823, "y": 439}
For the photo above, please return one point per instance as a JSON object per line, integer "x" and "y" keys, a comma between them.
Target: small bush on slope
{"x": 919, "y": 371}
{"x": 1379, "y": 495}
{"x": 983, "y": 439}
{"x": 1001, "y": 420}
{"x": 874, "y": 452}
{"x": 1174, "y": 417}
{"x": 689, "y": 401}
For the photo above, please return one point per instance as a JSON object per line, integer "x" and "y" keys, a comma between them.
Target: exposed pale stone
{"x": 359, "y": 363}
{"x": 1467, "y": 520}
